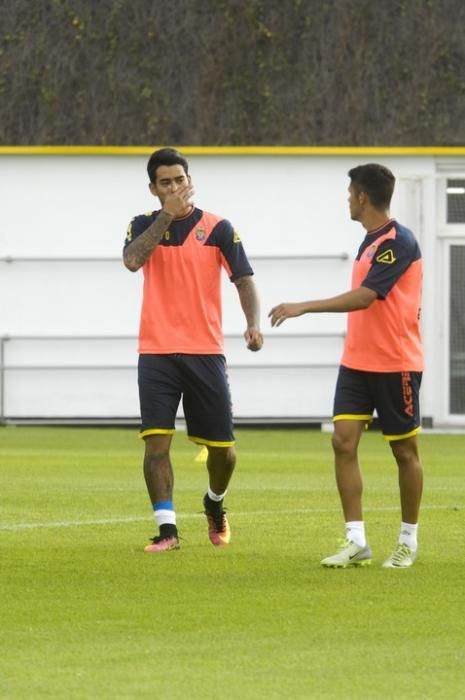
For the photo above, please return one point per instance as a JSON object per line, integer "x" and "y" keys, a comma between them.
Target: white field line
{"x": 192, "y": 516}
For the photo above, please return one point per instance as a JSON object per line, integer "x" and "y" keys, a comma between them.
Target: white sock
{"x": 355, "y": 532}
{"x": 165, "y": 517}
{"x": 215, "y": 496}
{"x": 408, "y": 535}
{"x": 164, "y": 513}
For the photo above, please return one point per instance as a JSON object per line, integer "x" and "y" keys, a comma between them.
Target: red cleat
{"x": 162, "y": 544}
{"x": 219, "y": 531}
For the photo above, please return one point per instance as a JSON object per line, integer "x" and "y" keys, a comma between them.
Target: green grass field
{"x": 86, "y": 614}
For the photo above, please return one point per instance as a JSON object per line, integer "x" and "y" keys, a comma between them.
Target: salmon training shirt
{"x": 181, "y": 304}
{"x": 386, "y": 336}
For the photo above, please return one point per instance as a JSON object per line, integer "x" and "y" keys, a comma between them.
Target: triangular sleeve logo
{"x": 386, "y": 257}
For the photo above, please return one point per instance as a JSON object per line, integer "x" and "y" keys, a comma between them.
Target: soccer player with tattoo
{"x": 182, "y": 250}
{"x": 381, "y": 366}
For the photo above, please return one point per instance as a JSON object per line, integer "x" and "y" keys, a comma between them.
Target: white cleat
{"x": 349, "y": 554}
{"x": 402, "y": 558}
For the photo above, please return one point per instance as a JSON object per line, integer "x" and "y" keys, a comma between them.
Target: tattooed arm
{"x": 251, "y": 307}
{"x": 175, "y": 203}
{"x": 140, "y": 249}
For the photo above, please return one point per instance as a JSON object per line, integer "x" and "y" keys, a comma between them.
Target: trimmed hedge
{"x": 232, "y": 72}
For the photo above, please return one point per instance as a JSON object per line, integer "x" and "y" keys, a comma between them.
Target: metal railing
{"x": 72, "y": 367}
{"x": 5, "y": 367}
{"x": 111, "y": 259}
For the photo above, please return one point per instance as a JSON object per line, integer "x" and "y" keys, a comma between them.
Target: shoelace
{"x": 217, "y": 519}
{"x": 159, "y": 538}
{"x": 401, "y": 552}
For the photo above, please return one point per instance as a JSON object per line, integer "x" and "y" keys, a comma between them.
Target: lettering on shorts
{"x": 407, "y": 393}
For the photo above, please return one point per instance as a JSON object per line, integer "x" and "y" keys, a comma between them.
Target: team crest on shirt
{"x": 372, "y": 250}
{"x": 387, "y": 257}
{"x": 200, "y": 234}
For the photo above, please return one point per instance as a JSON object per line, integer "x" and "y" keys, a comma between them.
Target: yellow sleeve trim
{"x": 211, "y": 443}
{"x": 392, "y": 438}
{"x": 157, "y": 431}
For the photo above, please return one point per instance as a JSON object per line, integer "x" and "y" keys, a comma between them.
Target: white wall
{"x": 286, "y": 209}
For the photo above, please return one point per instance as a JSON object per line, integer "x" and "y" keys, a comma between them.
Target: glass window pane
{"x": 457, "y": 330}
{"x": 455, "y": 201}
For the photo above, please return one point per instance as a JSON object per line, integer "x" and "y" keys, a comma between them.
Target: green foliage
{"x": 228, "y": 72}
{"x": 86, "y": 614}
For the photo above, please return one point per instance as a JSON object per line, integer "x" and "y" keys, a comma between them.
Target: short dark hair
{"x": 165, "y": 156}
{"x": 376, "y": 180}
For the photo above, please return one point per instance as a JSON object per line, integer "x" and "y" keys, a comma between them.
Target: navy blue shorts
{"x": 394, "y": 396}
{"x": 201, "y": 382}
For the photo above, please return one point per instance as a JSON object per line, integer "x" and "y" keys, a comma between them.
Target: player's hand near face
{"x": 280, "y": 313}
{"x": 254, "y": 339}
{"x": 178, "y": 202}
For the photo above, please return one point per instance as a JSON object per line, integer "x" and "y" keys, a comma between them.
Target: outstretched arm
{"x": 251, "y": 307}
{"x": 355, "y": 300}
